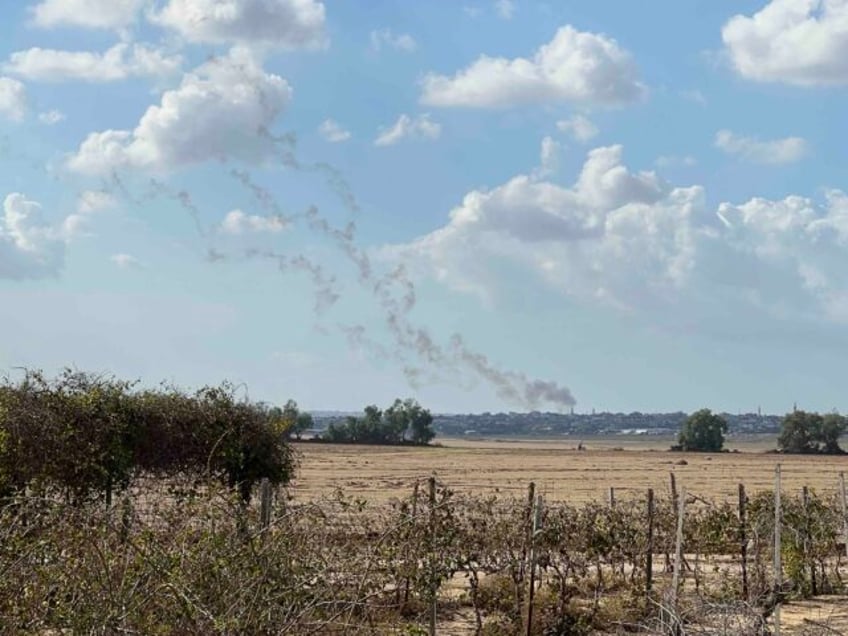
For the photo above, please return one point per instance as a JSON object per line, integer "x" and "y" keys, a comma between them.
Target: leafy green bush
{"x": 88, "y": 436}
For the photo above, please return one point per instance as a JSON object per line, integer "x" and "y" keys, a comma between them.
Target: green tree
{"x": 703, "y": 431}
{"x": 404, "y": 420}
{"x": 810, "y": 433}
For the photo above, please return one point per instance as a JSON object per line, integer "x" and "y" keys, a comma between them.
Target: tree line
{"x": 86, "y": 436}
{"x": 801, "y": 432}
{"x": 404, "y": 422}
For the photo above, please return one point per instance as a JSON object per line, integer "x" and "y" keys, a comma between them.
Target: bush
{"x": 87, "y": 436}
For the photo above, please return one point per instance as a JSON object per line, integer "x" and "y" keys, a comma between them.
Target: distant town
{"x": 542, "y": 424}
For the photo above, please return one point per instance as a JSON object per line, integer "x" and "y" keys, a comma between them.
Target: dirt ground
{"x": 561, "y": 472}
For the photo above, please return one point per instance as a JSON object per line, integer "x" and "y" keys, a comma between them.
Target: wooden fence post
{"x": 844, "y": 511}
{"x": 808, "y": 538}
{"x": 537, "y": 525}
{"x": 527, "y": 530}
{"x": 671, "y": 610}
{"x": 411, "y": 520}
{"x": 678, "y": 547}
{"x": 778, "y": 567}
{"x": 649, "y": 552}
{"x": 265, "y": 503}
{"x": 433, "y": 587}
{"x": 611, "y": 497}
{"x": 674, "y": 498}
{"x": 743, "y": 538}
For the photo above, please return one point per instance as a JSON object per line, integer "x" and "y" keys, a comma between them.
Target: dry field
{"x": 561, "y": 472}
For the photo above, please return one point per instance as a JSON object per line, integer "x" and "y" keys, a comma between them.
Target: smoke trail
{"x": 394, "y": 292}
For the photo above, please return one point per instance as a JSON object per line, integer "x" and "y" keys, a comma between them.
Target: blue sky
{"x": 488, "y": 205}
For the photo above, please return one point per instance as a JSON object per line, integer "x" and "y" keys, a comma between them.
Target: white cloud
{"x": 29, "y": 247}
{"x": 120, "y": 62}
{"x": 799, "y": 245}
{"x": 548, "y": 157}
{"x": 89, "y": 203}
{"x": 574, "y": 66}
{"x": 286, "y": 24}
{"x": 579, "y": 126}
{"x": 51, "y": 117}
{"x": 406, "y": 127}
{"x": 778, "y": 151}
{"x": 94, "y": 201}
{"x": 397, "y": 41}
{"x": 13, "y": 99}
{"x": 221, "y": 110}
{"x": 589, "y": 240}
{"x": 632, "y": 241}
{"x": 126, "y": 261}
{"x": 333, "y": 132}
{"x": 237, "y": 222}
{"x": 505, "y": 9}
{"x": 801, "y": 42}
{"x": 90, "y": 14}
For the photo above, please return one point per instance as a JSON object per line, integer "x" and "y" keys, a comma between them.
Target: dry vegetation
{"x": 561, "y": 473}
{"x": 351, "y": 550}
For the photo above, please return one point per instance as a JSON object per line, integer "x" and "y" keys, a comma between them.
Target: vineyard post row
{"x": 534, "y": 516}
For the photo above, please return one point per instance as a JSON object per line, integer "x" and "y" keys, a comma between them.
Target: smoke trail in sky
{"x": 413, "y": 348}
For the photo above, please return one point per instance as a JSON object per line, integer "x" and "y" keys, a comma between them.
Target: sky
{"x": 487, "y": 205}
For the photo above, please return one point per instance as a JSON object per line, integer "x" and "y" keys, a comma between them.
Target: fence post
{"x": 778, "y": 567}
{"x": 433, "y": 588}
{"x": 411, "y": 520}
{"x": 844, "y": 511}
{"x": 649, "y": 553}
{"x": 678, "y": 547}
{"x": 537, "y": 524}
{"x": 808, "y": 538}
{"x": 674, "y": 498}
{"x": 526, "y": 529}
{"x": 265, "y": 503}
{"x": 670, "y": 612}
{"x": 611, "y": 497}
{"x": 743, "y": 538}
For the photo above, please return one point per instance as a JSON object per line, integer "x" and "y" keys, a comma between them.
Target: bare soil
{"x": 561, "y": 473}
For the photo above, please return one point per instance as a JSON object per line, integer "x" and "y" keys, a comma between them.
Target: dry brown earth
{"x": 561, "y": 472}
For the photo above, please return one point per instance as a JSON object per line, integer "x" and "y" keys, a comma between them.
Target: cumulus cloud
{"x": 633, "y": 241}
{"x": 120, "y": 62}
{"x": 13, "y": 99}
{"x": 799, "y": 246}
{"x": 397, "y": 41}
{"x": 548, "y": 157}
{"x": 237, "y": 222}
{"x": 801, "y": 42}
{"x": 406, "y": 127}
{"x": 777, "y": 151}
{"x": 51, "y": 117}
{"x": 285, "y": 24}
{"x": 579, "y": 126}
{"x": 29, "y": 247}
{"x": 333, "y": 132}
{"x": 222, "y": 110}
{"x": 575, "y": 66}
{"x": 90, "y": 14}
{"x": 89, "y": 203}
{"x": 586, "y": 239}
